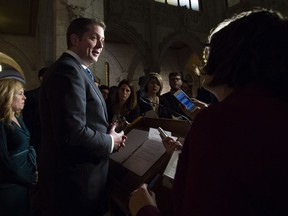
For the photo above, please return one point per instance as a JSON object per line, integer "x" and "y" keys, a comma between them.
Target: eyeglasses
{"x": 174, "y": 78}
{"x": 206, "y": 53}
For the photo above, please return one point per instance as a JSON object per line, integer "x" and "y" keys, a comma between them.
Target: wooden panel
{"x": 123, "y": 181}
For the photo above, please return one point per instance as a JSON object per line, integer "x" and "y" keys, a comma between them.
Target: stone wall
{"x": 155, "y": 37}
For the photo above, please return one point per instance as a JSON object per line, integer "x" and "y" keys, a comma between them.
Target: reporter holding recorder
{"x": 240, "y": 167}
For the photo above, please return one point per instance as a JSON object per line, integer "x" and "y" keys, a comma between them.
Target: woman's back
{"x": 235, "y": 158}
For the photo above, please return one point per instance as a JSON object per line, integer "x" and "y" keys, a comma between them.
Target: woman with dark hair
{"x": 123, "y": 107}
{"x": 234, "y": 158}
{"x": 18, "y": 170}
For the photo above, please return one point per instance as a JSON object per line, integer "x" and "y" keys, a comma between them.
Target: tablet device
{"x": 185, "y": 100}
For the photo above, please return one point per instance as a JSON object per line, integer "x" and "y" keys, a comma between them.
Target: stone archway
{"x": 175, "y": 55}
{"x": 15, "y": 58}
{"x": 136, "y": 43}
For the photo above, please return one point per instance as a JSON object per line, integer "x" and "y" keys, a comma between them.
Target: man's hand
{"x": 119, "y": 138}
{"x": 192, "y": 114}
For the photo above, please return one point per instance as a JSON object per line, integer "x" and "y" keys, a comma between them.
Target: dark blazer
{"x": 31, "y": 117}
{"x": 14, "y": 174}
{"x": 75, "y": 144}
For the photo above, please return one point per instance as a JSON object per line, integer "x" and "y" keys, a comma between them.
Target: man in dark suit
{"x": 76, "y": 137}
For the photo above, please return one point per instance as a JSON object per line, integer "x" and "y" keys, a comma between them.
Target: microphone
{"x": 122, "y": 124}
{"x": 167, "y": 108}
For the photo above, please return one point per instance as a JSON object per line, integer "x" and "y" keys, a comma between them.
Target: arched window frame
{"x": 190, "y": 4}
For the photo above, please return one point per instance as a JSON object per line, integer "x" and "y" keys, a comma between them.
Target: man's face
{"x": 89, "y": 47}
{"x": 175, "y": 82}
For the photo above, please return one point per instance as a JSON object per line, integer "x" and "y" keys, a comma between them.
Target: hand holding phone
{"x": 185, "y": 100}
{"x": 162, "y": 133}
{"x": 169, "y": 143}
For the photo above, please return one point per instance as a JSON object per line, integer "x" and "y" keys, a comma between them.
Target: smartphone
{"x": 162, "y": 133}
{"x": 185, "y": 100}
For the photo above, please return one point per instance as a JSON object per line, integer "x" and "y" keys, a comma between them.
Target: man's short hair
{"x": 42, "y": 71}
{"x": 173, "y": 74}
{"x": 104, "y": 87}
{"x": 142, "y": 80}
{"x": 81, "y": 25}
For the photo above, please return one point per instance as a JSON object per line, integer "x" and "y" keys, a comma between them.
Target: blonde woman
{"x": 149, "y": 103}
{"x": 17, "y": 157}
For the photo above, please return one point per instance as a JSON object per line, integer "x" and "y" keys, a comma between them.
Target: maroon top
{"x": 234, "y": 159}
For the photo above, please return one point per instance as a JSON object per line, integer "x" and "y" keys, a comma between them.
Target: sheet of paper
{"x": 145, "y": 156}
{"x": 135, "y": 138}
{"x": 154, "y": 134}
{"x": 172, "y": 165}
{"x": 169, "y": 173}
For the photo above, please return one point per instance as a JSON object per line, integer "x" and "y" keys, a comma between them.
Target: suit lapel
{"x": 92, "y": 84}
{"x": 98, "y": 92}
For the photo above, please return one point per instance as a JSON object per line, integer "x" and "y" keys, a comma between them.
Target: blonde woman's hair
{"x": 8, "y": 88}
{"x": 151, "y": 76}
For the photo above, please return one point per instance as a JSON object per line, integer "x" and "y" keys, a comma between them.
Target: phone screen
{"x": 185, "y": 100}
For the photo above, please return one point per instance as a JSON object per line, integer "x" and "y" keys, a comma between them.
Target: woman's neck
{"x": 151, "y": 96}
{"x": 12, "y": 116}
{"x": 14, "y": 119}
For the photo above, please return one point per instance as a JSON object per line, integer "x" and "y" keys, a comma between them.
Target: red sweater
{"x": 234, "y": 159}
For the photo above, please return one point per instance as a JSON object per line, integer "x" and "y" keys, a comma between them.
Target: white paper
{"x": 154, "y": 134}
{"x": 144, "y": 158}
{"x": 169, "y": 173}
{"x": 172, "y": 165}
{"x": 135, "y": 138}
{"x": 142, "y": 150}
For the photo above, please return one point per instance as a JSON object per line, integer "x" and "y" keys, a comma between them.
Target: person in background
{"x": 234, "y": 158}
{"x": 141, "y": 83}
{"x": 31, "y": 113}
{"x": 112, "y": 92}
{"x": 173, "y": 110}
{"x": 149, "y": 103}
{"x": 186, "y": 88}
{"x": 18, "y": 167}
{"x": 97, "y": 81}
{"x": 123, "y": 108}
{"x": 105, "y": 91}
{"x": 77, "y": 139}
{"x": 31, "y": 117}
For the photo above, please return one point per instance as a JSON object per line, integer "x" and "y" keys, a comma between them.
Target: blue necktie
{"x": 89, "y": 73}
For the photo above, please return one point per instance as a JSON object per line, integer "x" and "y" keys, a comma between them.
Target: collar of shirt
{"x": 76, "y": 57}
